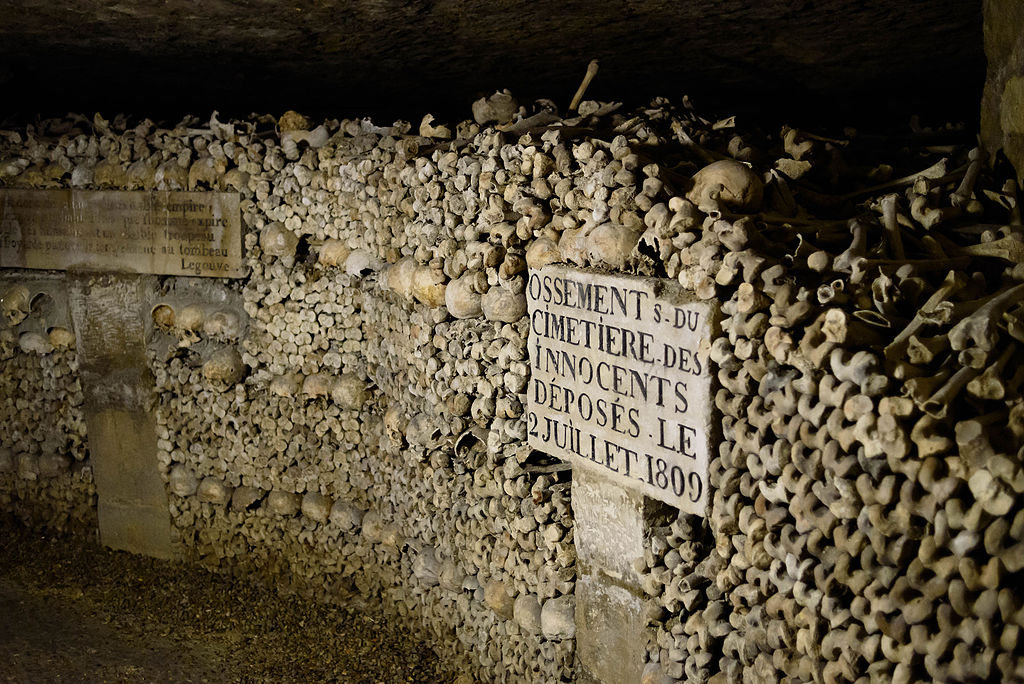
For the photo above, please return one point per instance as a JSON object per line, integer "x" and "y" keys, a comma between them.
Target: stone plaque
{"x": 620, "y": 380}
{"x": 167, "y": 233}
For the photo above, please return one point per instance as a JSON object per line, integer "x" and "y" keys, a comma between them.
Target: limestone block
{"x": 609, "y": 525}
{"x": 136, "y": 528}
{"x": 609, "y": 631}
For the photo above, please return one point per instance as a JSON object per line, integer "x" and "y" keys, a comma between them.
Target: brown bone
{"x": 954, "y": 282}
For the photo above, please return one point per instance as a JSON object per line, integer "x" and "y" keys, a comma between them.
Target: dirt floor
{"x": 71, "y": 611}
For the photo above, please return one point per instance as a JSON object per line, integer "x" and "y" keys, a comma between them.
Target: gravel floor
{"x": 72, "y": 611}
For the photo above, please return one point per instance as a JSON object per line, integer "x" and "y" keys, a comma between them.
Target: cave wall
{"x": 339, "y": 422}
{"x": 1002, "y": 104}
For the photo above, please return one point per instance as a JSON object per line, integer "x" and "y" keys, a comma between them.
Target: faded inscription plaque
{"x": 620, "y": 380}
{"x": 167, "y": 233}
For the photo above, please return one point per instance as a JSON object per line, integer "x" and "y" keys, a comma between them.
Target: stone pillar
{"x": 1002, "y": 104}
{"x": 609, "y": 531}
{"x": 109, "y": 313}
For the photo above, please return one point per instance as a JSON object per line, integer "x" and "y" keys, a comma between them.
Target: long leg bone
{"x": 990, "y": 385}
{"x": 954, "y": 282}
{"x": 890, "y": 224}
{"x": 920, "y": 389}
{"x": 937, "y": 405}
{"x": 980, "y": 328}
{"x": 1009, "y": 248}
{"x": 966, "y": 189}
{"x": 844, "y": 262}
{"x": 860, "y": 267}
{"x": 928, "y": 216}
{"x": 587, "y": 78}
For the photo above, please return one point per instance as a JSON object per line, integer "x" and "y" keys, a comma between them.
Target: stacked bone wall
{"x": 349, "y": 417}
{"x": 866, "y": 518}
{"x": 46, "y": 479}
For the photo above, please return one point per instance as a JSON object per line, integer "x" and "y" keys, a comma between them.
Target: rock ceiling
{"x": 391, "y": 58}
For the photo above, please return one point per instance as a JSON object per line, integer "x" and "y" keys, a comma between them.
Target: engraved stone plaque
{"x": 620, "y": 380}
{"x": 167, "y": 233}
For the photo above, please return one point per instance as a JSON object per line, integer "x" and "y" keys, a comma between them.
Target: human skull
{"x": 61, "y": 338}
{"x": 395, "y": 423}
{"x": 16, "y": 304}
{"x": 316, "y": 385}
{"x": 163, "y": 317}
{"x": 348, "y": 391}
{"x": 8, "y": 343}
{"x": 34, "y": 343}
{"x": 182, "y": 481}
{"x": 286, "y": 385}
{"x": 224, "y": 369}
{"x": 188, "y": 323}
{"x": 223, "y": 324}
{"x": 278, "y": 241}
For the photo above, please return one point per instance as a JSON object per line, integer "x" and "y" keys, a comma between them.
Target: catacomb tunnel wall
{"x": 349, "y": 418}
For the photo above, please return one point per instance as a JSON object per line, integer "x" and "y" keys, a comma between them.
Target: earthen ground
{"x": 73, "y": 611}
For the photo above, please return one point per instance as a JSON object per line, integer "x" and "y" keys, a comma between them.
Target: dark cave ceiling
{"x": 809, "y": 59}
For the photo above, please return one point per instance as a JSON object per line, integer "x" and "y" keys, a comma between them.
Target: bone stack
{"x": 45, "y": 476}
{"x": 837, "y": 477}
{"x": 349, "y": 418}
